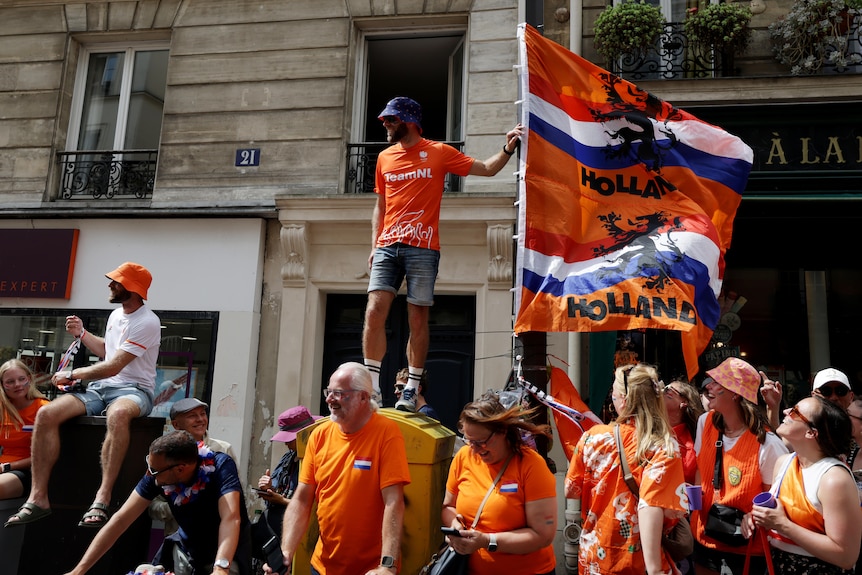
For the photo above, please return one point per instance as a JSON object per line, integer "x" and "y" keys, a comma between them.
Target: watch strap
{"x": 492, "y": 542}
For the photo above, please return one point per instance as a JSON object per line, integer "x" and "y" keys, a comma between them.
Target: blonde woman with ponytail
{"x": 621, "y": 533}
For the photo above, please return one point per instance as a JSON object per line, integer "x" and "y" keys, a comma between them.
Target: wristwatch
{"x": 492, "y": 542}
{"x": 387, "y": 561}
{"x": 222, "y": 563}
{"x": 6, "y": 467}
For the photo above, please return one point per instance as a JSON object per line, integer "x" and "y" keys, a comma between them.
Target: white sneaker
{"x": 378, "y": 397}
{"x": 407, "y": 401}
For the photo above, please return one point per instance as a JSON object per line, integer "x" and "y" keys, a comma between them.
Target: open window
{"x": 427, "y": 66}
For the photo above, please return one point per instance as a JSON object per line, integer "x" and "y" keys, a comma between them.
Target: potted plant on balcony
{"x": 721, "y": 28}
{"x": 628, "y": 28}
{"x": 814, "y": 33}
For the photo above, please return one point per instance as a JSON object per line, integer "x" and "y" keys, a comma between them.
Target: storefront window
{"x": 186, "y": 355}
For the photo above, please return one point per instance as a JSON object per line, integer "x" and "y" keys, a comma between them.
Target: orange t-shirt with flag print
{"x": 412, "y": 181}
{"x": 610, "y": 536}
{"x": 527, "y": 478}
{"x": 348, "y": 472}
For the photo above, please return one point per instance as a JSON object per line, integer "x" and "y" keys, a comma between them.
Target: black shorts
{"x": 24, "y": 477}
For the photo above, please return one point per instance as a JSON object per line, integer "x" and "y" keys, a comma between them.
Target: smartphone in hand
{"x": 451, "y": 531}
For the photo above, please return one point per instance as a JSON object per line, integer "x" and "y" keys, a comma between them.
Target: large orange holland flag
{"x": 626, "y": 204}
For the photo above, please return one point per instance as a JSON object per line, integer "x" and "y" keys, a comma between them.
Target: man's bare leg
{"x": 417, "y": 352}
{"x": 120, "y": 415}
{"x": 417, "y": 343}
{"x": 374, "y": 331}
{"x": 45, "y": 445}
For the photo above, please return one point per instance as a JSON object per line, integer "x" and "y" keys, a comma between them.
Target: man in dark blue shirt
{"x": 204, "y": 493}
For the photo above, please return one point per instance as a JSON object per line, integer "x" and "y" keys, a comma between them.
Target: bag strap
{"x": 491, "y": 490}
{"x": 624, "y": 464}
{"x": 719, "y": 456}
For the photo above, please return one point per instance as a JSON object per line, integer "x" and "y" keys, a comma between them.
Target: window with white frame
{"x": 426, "y": 65}
{"x": 116, "y": 120}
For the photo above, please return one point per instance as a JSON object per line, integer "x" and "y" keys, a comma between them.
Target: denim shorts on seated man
{"x": 97, "y": 397}
{"x": 392, "y": 263}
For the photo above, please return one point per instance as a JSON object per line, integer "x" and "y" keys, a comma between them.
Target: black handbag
{"x": 679, "y": 541}
{"x": 449, "y": 562}
{"x": 724, "y": 524}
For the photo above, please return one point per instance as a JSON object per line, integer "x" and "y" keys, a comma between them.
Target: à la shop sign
{"x": 37, "y": 263}
{"x": 795, "y": 137}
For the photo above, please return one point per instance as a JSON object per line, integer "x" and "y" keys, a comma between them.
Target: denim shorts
{"x": 96, "y": 398}
{"x": 392, "y": 263}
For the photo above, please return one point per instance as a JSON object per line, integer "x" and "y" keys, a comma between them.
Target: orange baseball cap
{"x": 134, "y": 277}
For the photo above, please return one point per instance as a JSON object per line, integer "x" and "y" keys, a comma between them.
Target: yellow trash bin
{"x": 429, "y": 452}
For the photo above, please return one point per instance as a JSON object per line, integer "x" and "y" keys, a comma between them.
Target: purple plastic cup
{"x": 764, "y": 499}
{"x": 695, "y": 497}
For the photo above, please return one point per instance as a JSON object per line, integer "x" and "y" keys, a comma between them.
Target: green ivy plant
{"x": 721, "y": 27}
{"x": 628, "y": 28}
{"x": 815, "y": 32}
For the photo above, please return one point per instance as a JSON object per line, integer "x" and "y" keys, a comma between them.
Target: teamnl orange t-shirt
{"x": 610, "y": 536}
{"x": 411, "y": 181}
{"x": 526, "y": 479}
{"x": 348, "y": 472}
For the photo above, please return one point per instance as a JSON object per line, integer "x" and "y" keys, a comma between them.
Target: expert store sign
{"x": 37, "y": 263}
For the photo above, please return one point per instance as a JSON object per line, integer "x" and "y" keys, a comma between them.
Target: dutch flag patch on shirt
{"x": 362, "y": 463}
{"x": 27, "y": 428}
{"x": 509, "y": 488}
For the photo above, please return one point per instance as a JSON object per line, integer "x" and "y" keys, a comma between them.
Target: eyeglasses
{"x": 794, "y": 412}
{"x": 153, "y": 473}
{"x": 391, "y": 120}
{"x": 338, "y": 394}
{"x": 669, "y": 388}
{"x": 479, "y": 444}
{"x": 828, "y": 390}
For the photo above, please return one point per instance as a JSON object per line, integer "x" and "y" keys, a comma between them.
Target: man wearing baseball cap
{"x": 409, "y": 182}
{"x": 834, "y": 386}
{"x": 120, "y": 387}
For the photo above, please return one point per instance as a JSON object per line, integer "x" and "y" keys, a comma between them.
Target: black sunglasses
{"x": 828, "y": 390}
{"x": 153, "y": 473}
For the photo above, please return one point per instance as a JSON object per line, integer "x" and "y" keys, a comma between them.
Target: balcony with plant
{"x": 729, "y": 40}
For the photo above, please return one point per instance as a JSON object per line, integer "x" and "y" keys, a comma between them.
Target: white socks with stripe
{"x": 374, "y": 367}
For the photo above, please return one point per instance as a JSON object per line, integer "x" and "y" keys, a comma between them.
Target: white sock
{"x": 414, "y": 377}
{"x": 374, "y": 367}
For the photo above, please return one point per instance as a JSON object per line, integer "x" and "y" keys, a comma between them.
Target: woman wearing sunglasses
{"x": 683, "y": 406}
{"x": 517, "y": 524}
{"x": 736, "y": 458}
{"x": 621, "y": 531}
{"x": 816, "y": 524}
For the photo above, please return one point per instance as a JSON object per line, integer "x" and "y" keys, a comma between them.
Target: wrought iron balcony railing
{"x": 362, "y": 161}
{"x": 675, "y": 57}
{"x": 107, "y": 174}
